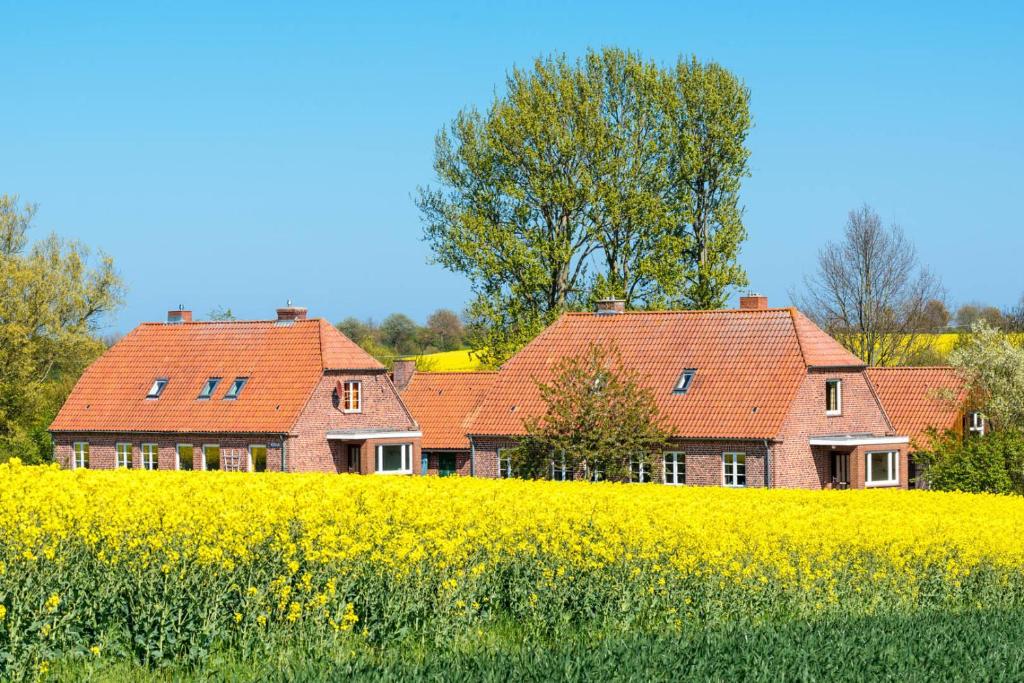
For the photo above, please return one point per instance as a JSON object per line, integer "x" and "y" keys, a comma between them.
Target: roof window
{"x": 209, "y": 388}
{"x": 685, "y": 380}
{"x": 235, "y": 388}
{"x": 158, "y": 387}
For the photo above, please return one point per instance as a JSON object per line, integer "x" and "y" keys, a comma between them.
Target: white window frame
{"x": 251, "y": 467}
{"x": 76, "y": 463}
{"x": 976, "y": 423}
{"x": 678, "y": 468}
{"x": 504, "y": 465}
{"x": 730, "y": 469}
{"x": 642, "y": 474}
{"x": 202, "y": 452}
{"x": 117, "y": 455}
{"x": 177, "y": 455}
{"x": 157, "y": 388}
{"x": 155, "y": 453}
{"x": 838, "y": 410}
{"x": 894, "y": 469}
{"x": 406, "y": 458}
{"x": 346, "y": 393}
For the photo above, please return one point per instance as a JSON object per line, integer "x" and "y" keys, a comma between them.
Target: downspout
{"x": 472, "y": 457}
{"x": 767, "y": 464}
{"x": 284, "y": 452}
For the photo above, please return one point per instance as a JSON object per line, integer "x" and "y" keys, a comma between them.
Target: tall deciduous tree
{"x": 870, "y": 291}
{"x": 608, "y": 176}
{"x": 444, "y": 330}
{"x": 598, "y": 419}
{"x": 994, "y": 368}
{"x": 51, "y": 302}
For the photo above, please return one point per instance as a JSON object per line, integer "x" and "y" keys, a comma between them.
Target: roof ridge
{"x": 702, "y": 311}
{"x": 267, "y": 321}
{"x": 456, "y": 372}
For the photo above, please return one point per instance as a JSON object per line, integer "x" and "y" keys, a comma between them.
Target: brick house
{"x": 448, "y": 402}
{"x": 291, "y": 394}
{"x": 755, "y": 396}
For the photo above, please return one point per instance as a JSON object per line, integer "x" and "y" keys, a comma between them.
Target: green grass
{"x": 927, "y": 645}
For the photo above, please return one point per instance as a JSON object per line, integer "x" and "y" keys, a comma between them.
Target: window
{"x": 639, "y": 472}
{"x": 504, "y": 464}
{"x": 685, "y": 380}
{"x": 834, "y": 397}
{"x": 976, "y": 423}
{"x": 209, "y": 388}
{"x": 235, "y": 388}
{"x": 675, "y": 468}
{"x": 352, "y": 397}
{"x": 394, "y": 458}
{"x": 734, "y": 469}
{"x": 211, "y": 457}
{"x": 595, "y": 472}
{"x": 123, "y": 455}
{"x": 355, "y": 452}
{"x": 185, "y": 456}
{"x": 158, "y": 387}
{"x": 150, "y": 456}
{"x": 81, "y": 455}
{"x": 882, "y": 468}
{"x": 559, "y": 471}
{"x": 257, "y": 458}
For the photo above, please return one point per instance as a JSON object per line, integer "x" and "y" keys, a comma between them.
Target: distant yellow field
{"x": 463, "y": 360}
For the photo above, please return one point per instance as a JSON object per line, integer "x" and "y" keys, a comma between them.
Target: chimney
{"x": 290, "y": 313}
{"x": 753, "y": 302}
{"x": 402, "y": 373}
{"x": 610, "y": 306}
{"x": 179, "y": 316}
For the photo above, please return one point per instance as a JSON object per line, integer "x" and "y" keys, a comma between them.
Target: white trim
{"x": 361, "y": 436}
{"x": 679, "y": 460}
{"x": 156, "y": 453}
{"x": 501, "y": 459}
{"x": 839, "y": 397}
{"x": 251, "y": 466}
{"x": 177, "y": 455}
{"x": 894, "y": 468}
{"x": 735, "y": 470}
{"x": 203, "y": 451}
{"x": 406, "y": 458}
{"x": 74, "y": 454}
{"x": 857, "y": 440}
{"x": 117, "y": 455}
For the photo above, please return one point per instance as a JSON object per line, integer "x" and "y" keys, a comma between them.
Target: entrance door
{"x": 445, "y": 464}
{"x": 840, "y": 470}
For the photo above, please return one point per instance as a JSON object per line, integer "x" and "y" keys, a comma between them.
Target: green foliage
{"x": 398, "y": 335}
{"x": 994, "y": 367}
{"x": 221, "y": 313}
{"x": 988, "y": 464}
{"x": 51, "y": 301}
{"x": 604, "y": 177}
{"x": 598, "y": 419}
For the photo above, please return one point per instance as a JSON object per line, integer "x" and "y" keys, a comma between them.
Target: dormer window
{"x": 209, "y": 388}
{"x": 158, "y": 387}
{"x": 235, "y": 388}
{"x": 976, "y": 423}
{"x": 685, "y": 380}
{"x": 833, "y": 397}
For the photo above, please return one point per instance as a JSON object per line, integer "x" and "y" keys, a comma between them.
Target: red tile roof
{"x": 749, "y": 365}
{"x": 445, "y": 403}
{"x": 918, "y": 398}
{"x": 282, "y": 361}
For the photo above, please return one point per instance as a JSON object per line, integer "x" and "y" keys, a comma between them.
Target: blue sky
{"x": 242, "y": 155}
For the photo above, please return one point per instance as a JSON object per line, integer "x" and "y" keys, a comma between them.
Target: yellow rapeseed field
{"x": 176, "y": 562}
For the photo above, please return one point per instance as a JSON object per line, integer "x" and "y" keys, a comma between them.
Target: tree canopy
{"x": 604, "y": 177}
{"x": 994, "y": 367}
{"x": 51, "y": 303}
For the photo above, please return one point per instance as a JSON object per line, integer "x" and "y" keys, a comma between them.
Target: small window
{"x": 81, "y": 456}
{"x": 123, "y": 456}
{"x": 209, "y": 388}
{"x": 257, "y": 458}
{"x": 834, "y": 397}
{"x": 976, "y": 423}
{"x": 185, "y": 456}
{"x": 734, "y": 469}
{"x": 394, "y": 458}
{"x": 355, "y": 452}
{"x": 352, "y": 397}
{"x": 235, "y": 388}
{"x": 504, "y": 465}
{"x": 882, "y": 468}
{"x": 158, "y": 387}
{"x": 211, "y": 457}
{"x": 675, "y": 468}
{"x": 560, "y": 471}
{"x": 639, "y": 472}
{"x": 685, "y": 380}
{"x": 150, "y": 456}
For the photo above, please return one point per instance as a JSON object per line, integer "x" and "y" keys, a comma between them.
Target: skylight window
{"x": 209, "y": 388}
{"x": 685, "y": 380}
{"x": 235, "y": 388}
{"x": 157, "y": 388}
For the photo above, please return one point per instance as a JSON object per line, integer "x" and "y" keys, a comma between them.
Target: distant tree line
{"x": 399, "y": 335}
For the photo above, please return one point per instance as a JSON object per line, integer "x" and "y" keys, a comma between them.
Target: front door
{"x": 840, "y": 470}
{"x": 445, "y": 464}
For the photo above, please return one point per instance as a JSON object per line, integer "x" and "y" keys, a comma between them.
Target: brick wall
{"x": 794, "y": 464}
{"x": 102, "y": 448}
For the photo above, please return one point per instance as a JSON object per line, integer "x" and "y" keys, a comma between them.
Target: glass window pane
{"x": 184, "y": 457}
{"x": 259, "y": 458}
{"x": 391, "y": 458}
{"x": 878, "y": 466}
{"x": 212, "y": 457}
